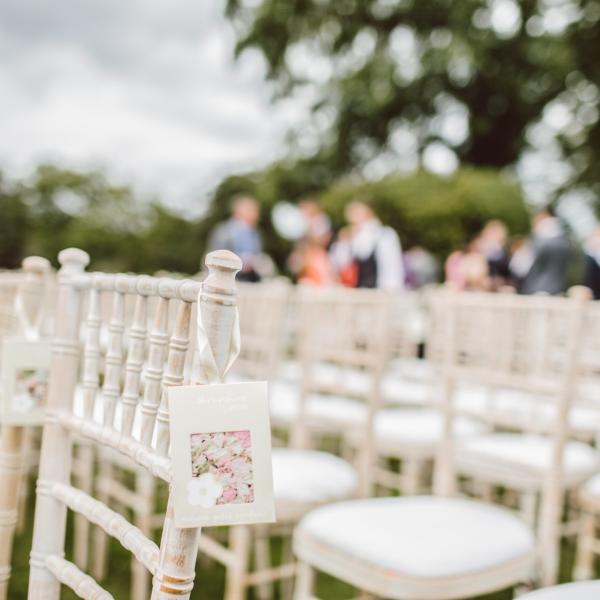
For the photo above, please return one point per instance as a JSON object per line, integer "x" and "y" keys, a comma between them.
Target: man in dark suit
{"x": 591, "y": 277}
{"x": 551, "y": 254}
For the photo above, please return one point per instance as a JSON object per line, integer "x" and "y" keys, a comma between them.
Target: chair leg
{"x": 287, "y": 557}
{"x": 412, "y": 476}
{"x": 145, "y": 486}
{"x": 28, "y": 450}
{"x": 100, "y": 557}
{"x": 85, "y": 479}
{"x": 239, "y": 544}
{"x": 11, "y": 462}
{"x": 262, "y": 560}
{"x": 529, "y": 508}
{"x": 584, "y": 559}
{"x": 305, "y": 580}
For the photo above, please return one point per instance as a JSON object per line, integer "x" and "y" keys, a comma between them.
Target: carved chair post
{"x": 179, "y": 547}
{"x": 50, "y": 514}
{"x": 12, "y": 437}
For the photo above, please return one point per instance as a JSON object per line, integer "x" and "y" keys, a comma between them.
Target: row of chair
{"x": 503, "y": 408}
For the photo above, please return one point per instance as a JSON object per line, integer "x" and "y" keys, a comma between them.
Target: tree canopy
{"x": 382, "y": 68}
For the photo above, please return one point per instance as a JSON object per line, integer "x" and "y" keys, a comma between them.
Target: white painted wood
{"x": 50, "y": 515}
{"x": 14, "y": 446}
{"x": 83, "y": 585}
{"x": 125, "y": 362}
{"x": 529, "y": 344}
{"x": 179, "y": 547}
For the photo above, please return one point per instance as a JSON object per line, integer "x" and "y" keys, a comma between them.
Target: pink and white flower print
{"x": 222, "y": 464}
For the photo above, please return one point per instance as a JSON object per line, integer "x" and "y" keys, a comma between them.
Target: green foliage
{"x": 13, "y": 228}
{"x": 57, "y": 208}
{"x": 398, "y": 63}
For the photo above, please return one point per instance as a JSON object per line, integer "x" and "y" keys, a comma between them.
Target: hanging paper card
{"x": 221, "y": 454}
{"x": 25, "y": 369}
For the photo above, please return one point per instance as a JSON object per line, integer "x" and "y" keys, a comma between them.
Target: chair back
{"x": 115, "y": 394}
{"x": 525, "y": 344}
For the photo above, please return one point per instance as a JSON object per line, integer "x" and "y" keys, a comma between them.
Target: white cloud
{"x": 149, "y": 91}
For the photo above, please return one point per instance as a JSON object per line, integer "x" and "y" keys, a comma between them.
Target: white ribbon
{"x": 31, "y": 330}
{"x": 208, "y": 364}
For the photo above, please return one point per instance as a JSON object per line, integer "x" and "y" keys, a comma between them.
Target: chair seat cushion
{"x": 396, "y": 390}
{"x": 583, "y": 590}
{"x": 591, "y": 487}
{"x": 395, "y": 387}
{"x": 513, "y": 406}
{"x": 303, "y": 479}
{"x": 321, "y": 411}
{"x": 399, "y": 431}
{"x": 418, "y": 536}
{"x": 522, "y": 459}
{"x": 413, "y": 368}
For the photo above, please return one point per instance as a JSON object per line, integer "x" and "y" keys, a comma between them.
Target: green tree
{"x": 380, "y": 65}
{"x": 14, "y": 227}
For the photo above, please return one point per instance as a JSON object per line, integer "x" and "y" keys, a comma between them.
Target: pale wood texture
{"x": 107, "y": 416}
{"x": 527, "y": 344}
{"x": 50, "y": 515}
{"x": 179, "y": 547}
{"x": 13, "y": 446}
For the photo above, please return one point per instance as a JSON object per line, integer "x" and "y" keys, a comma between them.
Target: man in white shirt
{"x": 375, "y": 249}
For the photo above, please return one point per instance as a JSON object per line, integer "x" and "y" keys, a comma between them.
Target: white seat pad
{"x": 320, "y": 408}
{"x": 421, "y": 429}
{"x": 310, "y": 476}
{"x": 413, "y": 368}
{"x": 395, "y": 390}
{"x": 529, "y": 453}
{"x": 592, "y": 486}
{"x": 421, "y": 536}
{"x": 520, "y": 406}
{"x": 583, "y": 590}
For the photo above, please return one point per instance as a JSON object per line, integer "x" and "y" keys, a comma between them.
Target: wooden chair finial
{"x": 73, "y": 258}
{"x": 36, "y": 265}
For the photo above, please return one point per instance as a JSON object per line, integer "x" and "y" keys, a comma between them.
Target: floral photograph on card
{"x": 221, "y": 469}
{"x": 31, "y": 386}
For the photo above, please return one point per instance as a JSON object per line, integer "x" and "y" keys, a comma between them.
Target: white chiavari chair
{"x": 442, "y": 547}
{"x": 128, "y": 412}
{"x": 586, "y": 590}
{"x": 523, "y": 408}
{"x": 342, "y": 348}
{"x": 25, "y": 291}
{"x": 262, "y": 309}
{"x": 263, "y": 318}
{"x": 304, "y": 478}
{"x": 406, "y": 437}
{"x": 588, "y": 497}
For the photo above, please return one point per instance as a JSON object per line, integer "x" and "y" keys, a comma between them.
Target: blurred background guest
{"x": 492, "y": 243}
{"x": 521, "y": 259}
{"x": 591, "y": 277}
{"x": 551, "y": 253}
{"x": 310, "y": 262}
{"x": 240, "y": 235}
{"x": 467, "y": 269}
{"x": 372, "y": 251}
{"x": 421, "y": 267}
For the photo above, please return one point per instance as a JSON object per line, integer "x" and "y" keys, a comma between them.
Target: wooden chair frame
{"x": 172, "y": 564}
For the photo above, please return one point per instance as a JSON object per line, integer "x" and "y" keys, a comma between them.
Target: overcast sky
{"x": 146, "y": 90}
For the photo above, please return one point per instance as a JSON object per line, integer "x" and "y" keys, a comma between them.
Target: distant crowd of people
{"x": 365, "y": 253}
